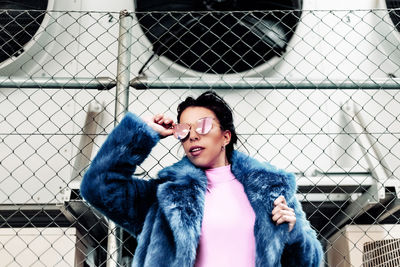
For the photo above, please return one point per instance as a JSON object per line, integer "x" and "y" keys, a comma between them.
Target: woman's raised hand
{"x": 282, "y": 213}
{"x": 161, "y": 124}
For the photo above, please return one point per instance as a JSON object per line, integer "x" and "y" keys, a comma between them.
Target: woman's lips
{"x": 196, "y": 150}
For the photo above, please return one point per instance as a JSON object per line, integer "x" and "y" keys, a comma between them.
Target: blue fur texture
{"x": 165, "y": 214}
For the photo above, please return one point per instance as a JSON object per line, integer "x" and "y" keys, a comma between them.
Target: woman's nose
{"x": 193, "y": 135}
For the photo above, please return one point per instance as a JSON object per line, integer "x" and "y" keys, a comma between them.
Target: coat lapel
{"x": 182, "y": 201}
{"x": 263, "y": 183}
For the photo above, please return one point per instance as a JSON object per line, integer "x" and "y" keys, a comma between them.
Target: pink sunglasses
{"x": 203, "y": 126}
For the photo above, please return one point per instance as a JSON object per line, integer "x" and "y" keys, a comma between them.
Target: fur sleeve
{"x": 108, "y": 184}
{"x": 303, "y": 247}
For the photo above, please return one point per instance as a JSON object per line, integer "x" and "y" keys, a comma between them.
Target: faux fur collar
{"x": 249, "y": 171}
{"x": 262, "y": 181}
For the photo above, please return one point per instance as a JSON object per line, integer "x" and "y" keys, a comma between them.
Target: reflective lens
{"x": 203, "y": 126}
{"x": 181, "y": 130}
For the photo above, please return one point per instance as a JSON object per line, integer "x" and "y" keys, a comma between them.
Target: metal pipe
{"x": 99, "y": 83}
{"x": 114, "y": 246}
{"x": 142, "y": 83}
{"x": 124, "y": 63}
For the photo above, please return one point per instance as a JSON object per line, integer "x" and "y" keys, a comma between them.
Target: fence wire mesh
{"x": 314, "y": 92}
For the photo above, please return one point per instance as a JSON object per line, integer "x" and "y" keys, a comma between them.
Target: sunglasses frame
{"x": 189, "y": 127}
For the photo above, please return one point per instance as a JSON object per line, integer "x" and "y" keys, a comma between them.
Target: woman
{"x": 215, "y": 207}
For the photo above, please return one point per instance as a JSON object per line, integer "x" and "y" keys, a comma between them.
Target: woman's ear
{"x": 227, "y": 137}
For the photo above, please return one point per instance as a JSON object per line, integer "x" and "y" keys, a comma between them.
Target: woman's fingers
{"x": 161, "y": 124}
{"x": 285, "y": 216}
{"x": 280, "y": 199}
{"x": 281, "y": 207}
{"x": 291, "y": 220}
{"x": 164, "y": 121}
{"x": 282, "y": 213}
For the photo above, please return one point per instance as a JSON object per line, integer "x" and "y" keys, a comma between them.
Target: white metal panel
{"x": 41, "y": 247}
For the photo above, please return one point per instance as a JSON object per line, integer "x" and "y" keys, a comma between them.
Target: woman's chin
{"x": 200, "y": 162}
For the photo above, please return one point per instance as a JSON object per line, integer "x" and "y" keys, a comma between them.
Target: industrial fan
{"x": 19, "y": 22}
{"x": 218, "y": 36}
{"x": 394, "y": 13}
{"x": 389, "y": 29}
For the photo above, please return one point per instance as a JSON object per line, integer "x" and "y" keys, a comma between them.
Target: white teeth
{"x": 196, "y": 149}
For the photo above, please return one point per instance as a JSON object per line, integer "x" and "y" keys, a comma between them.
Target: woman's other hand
{"x": 282, "y": 213}
{"x": 161, "y": 124}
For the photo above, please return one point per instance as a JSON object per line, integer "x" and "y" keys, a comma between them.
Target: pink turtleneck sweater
{"x": 227, "y": 232}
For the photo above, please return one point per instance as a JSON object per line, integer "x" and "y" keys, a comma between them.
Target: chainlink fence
{"x": 314, "y": 92}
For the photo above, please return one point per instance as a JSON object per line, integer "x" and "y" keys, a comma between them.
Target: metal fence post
{"x": 123, "y": 67}
{"x": 121, "y": 106}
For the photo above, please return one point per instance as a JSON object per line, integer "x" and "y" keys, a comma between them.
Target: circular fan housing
{"x": 19, "y": 22}
{"x": 218, "y": 42}
{"x": 388, "y": 28}
{"x": 394, "y": 6}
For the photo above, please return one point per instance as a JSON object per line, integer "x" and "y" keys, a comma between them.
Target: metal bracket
{"x": 94, "y": 117}
{"x": 380, "y": 173}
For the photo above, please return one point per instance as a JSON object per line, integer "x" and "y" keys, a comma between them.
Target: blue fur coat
{"x": 165, "y": 214}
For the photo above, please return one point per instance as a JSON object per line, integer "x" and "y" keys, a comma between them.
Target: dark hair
{"x": 221, "y": 109}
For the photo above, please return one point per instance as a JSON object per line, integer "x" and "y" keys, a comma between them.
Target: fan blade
{"x": 268, "y": 31}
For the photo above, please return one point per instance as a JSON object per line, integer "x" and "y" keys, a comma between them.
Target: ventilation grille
{"x": 382, "y": 253}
